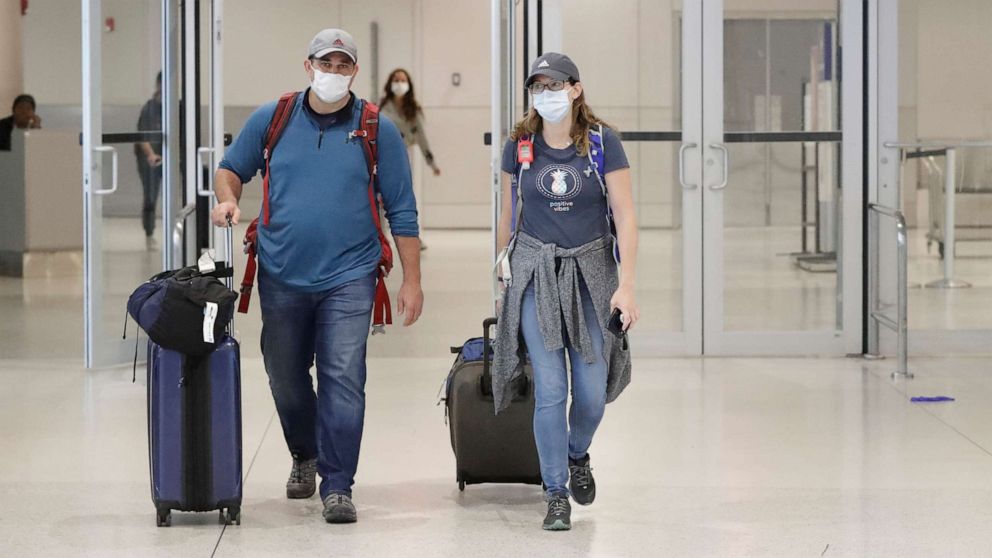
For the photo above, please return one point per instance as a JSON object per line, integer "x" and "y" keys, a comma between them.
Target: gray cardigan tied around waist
{"x": 559, "y": 300}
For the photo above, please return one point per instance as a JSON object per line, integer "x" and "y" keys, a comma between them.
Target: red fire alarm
{"x": 109, "y": 24}
{"x": 24, "y": 7}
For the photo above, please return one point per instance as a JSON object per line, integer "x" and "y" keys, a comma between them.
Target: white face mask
{"x": 330, "y": 88}
{"x": 553, "y": 106}
{"x": 400, "y": 88}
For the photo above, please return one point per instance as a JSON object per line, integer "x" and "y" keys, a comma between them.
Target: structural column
{"x": 11, "y": 54}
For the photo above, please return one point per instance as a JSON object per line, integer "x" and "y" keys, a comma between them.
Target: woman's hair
{"x": 410, "y": 105}
{"x": 582, "y": 120}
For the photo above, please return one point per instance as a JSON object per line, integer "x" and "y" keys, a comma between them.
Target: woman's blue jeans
{"x": 559, "y": 436}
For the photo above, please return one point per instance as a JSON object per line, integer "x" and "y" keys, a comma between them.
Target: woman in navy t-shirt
{"x": 560, "y": 275}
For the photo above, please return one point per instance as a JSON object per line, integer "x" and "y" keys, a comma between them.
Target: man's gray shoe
{"x": 302, "y": 481}
{"x": 338, "y": 508}
{"x": 582, "y": 485}
{"x": 559, "y": 516}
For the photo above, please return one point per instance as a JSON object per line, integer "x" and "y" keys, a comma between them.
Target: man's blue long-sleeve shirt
{"x": 320, "y": 233}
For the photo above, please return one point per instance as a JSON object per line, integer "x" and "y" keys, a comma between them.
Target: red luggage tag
{"x": 525, "y": 152}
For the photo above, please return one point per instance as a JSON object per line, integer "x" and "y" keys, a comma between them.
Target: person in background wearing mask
{"x": 149, "y": 157}
{"x": 24, "y": 117}
{"x": 318, "y": 258}
{"x": 400, "y": 104}
{"x": 563, "y": 281}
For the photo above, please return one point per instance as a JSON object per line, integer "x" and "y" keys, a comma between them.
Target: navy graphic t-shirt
{"x": 563, "y": 202}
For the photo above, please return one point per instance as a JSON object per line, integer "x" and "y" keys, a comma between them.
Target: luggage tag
{"x": 209, "y": 317}
{"x": 206, "y": 262}
{"x": 525, "y": 152}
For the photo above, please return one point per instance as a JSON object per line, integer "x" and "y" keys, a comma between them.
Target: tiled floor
{"x": 700, "y": 457}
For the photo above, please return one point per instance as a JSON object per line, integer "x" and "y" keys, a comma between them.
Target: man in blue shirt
{"x": 318, "y": 258}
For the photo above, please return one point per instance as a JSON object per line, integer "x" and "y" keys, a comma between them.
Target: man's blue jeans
{"x": 559, "y": 437}
{"x": 332, "y": 325}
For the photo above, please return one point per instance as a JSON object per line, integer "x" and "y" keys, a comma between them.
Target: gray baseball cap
{"x": 554, "y": 65}
{"x": 333, "y": 40}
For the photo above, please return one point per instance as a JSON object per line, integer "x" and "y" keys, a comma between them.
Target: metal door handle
{"x": 113, "y": 166}
{"x": 682, "y": 181}
{"x": 199, "y": 173}
{"x": 726, "y": 166}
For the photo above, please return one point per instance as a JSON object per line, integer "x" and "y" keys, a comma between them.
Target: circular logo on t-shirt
{"x": 559, "y": 182}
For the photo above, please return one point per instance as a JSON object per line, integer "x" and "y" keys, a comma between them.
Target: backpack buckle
{"x": 357, "y": 134}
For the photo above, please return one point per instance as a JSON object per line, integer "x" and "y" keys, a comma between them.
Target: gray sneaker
{"x": 338, "y": 508}
{"x": 302, "y": 481}
{"x": 559, "y": 516}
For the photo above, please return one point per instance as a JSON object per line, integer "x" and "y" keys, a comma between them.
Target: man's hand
{"x": 154, "y": 160}
{"x": 410, "y": 302}
{"x": 35, "y": 121}
{"x": 222, "y": 210}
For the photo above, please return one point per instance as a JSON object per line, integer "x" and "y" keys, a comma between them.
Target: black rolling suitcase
{"x": 488, "y": 447}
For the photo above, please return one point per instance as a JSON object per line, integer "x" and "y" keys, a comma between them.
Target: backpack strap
{"x": 368, "y": 131}
{"x": 516, "y": 212}
{"x": 284, "y": 109}
{"x": 597, "y": 158}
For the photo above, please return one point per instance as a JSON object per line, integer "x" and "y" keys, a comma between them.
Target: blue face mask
{"x": 553, "y": 106}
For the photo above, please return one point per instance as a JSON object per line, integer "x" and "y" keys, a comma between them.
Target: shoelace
{"x": 302, "y": 470}
{"x": 558, "y": 506}
{"x": 581, "y": 474}
{"x": 335, "y": 500}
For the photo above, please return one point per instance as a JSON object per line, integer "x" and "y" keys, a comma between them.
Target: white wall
{"x": 11, "y": 58}
{"x": 954, "y": 84}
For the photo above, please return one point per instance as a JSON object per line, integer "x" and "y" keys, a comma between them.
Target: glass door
{"x": 645, "y": 81}
{"x": 127, "y": 164}
{"x": 748, "y": 193}
{"x": 779, "y": 227}
{"x": 932, "y": 160}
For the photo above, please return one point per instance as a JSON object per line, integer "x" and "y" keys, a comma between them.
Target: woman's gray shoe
{"x": 559, "y": 516}
{"x": 582, "y": 485}
{"x": 338, "y": 508}
{"x": 302, "y": 481}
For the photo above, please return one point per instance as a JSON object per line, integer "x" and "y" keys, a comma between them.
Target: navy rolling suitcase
{"x": 194, "y": 429}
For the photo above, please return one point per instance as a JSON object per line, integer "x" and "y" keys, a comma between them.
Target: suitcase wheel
{"x": 163, "y": 518}
{"x": 461, "y": 486}
{"x": 231, "y": 517}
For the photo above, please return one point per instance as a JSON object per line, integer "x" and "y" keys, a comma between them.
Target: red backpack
{"x": 369, "y": 132}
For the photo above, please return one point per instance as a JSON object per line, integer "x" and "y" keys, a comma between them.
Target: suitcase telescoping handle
{"x": 487, "y": 326}
{"x": 229, "y": 280}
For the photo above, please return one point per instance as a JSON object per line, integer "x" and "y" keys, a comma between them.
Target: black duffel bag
{"x": 184, "y": 310}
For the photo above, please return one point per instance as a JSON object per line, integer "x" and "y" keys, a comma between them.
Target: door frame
{"x": 702, "y": 208}
{"x": 848, "y": 339}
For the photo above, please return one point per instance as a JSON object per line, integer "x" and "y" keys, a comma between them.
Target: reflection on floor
{"x": 700, "y": 457}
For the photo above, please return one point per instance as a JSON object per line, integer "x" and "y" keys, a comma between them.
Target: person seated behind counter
{"x": 23, "y": 117}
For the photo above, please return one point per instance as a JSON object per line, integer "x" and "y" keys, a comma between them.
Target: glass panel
{"x": 640, "y": 93}
{"x": 941, "y": 98}
{"x": 127, "y": 223}
{"x": 781, "y": 213}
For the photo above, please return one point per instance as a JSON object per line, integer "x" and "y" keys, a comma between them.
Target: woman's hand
{"x": 624, "y": 299}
